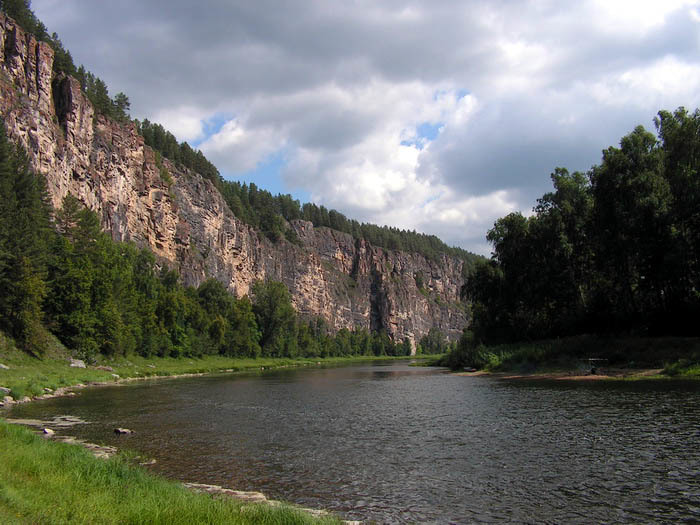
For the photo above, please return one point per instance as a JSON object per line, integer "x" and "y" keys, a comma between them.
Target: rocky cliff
{"x": 186, "y": 222}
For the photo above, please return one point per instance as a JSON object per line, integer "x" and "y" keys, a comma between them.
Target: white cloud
{"x": 636, "y": 16}
{"x": 236, "y": 148}
{"x": 185, "y": 122}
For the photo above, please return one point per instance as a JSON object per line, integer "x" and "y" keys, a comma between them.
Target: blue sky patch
{"x": 425, "y": 132}
{"x": 461, "y": 93}
{"x": 428, "y": 130}
{"x": 267, "y": 175}
{"x": 212, "y": 126}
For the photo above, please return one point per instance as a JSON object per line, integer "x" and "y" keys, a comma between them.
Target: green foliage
{"x": 684, "y": 367}
{"x": 276, "y": 318}
{"x": 434, "y": 342}
{"x": 165, "y": 144}
{"x": 24, "y": 237}
{"x": 21, "y": 11}
{"x": 163, "y": 171}
{"x": 466, "y": 354}
{"x": 98, "y": 94}
{"x": 418, "y": 277}
{"x": 260, "y": 209}
{"x": 616, "y": 250}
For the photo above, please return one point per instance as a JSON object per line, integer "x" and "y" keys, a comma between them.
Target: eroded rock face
{"x": 188, "y": 224}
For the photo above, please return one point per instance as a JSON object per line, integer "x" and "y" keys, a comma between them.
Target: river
{"x": 399, "y": 444}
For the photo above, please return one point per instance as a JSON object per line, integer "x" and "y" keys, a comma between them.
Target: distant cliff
{"x": 184, "y": 220}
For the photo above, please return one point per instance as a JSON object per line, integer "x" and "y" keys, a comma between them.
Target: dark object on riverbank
{"x": 123, "y": 431}
{"x": 594, "y": 362}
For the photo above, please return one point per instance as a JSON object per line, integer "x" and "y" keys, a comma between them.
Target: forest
{"x": 614, "y": 251}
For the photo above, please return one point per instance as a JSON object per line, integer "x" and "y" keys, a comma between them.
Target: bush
{"x": 469, "y": 354}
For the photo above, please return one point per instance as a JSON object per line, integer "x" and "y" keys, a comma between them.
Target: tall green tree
{"x": 275, "y": 317}
{"x": 631, "y": 228}
{"x": 24, "y": 238}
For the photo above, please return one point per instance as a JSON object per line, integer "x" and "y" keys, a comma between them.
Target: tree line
{"x": 615, "y": 250}
{"x": 271, "y": 213}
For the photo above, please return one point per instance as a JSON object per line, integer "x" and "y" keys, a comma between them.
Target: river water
{"x": 400, "y": 444}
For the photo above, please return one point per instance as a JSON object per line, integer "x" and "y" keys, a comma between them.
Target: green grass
{"x": 29, "y": 376}
{"x": 427, "y": 359}
{"x": 683, "y": 368}
{"x": 56, "y": 483}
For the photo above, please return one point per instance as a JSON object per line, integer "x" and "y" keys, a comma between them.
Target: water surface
{"x": 400, "y": 444}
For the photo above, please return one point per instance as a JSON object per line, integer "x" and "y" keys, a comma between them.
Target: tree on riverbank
{"x": 612, "y": 251}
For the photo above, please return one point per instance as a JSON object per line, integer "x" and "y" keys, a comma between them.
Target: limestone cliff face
{"x": 189, "y": 226}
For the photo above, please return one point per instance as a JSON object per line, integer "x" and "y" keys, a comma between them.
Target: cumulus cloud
{"x": 507, "y": 91}
{"x": 186, "y": 123}
{"x": 238, "y": 148}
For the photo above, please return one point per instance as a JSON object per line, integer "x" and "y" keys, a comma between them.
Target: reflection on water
{"x": 396, "y": 444}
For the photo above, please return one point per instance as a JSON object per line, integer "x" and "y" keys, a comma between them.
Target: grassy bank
{"x": 30, "y": 376}
{"x": 47, "y": 482}
{"x": 674, "y": 356}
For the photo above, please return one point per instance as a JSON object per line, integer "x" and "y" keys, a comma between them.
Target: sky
{"x": 438, "y": 116}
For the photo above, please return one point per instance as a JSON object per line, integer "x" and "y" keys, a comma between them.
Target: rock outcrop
{"x": 187, "y": 224}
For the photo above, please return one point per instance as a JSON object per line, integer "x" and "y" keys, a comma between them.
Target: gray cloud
{"x": 341, "y": 84}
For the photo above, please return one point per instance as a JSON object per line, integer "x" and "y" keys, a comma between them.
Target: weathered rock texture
{"x": 188, "y": 224}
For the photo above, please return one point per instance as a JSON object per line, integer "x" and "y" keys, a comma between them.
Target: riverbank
{"x": 630, "y": 358}
{"x": 577, "y": 375}
{"x": 24, "y": 378}
{"x": 48, "y": 482}
{"x": 30, "y": 379}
